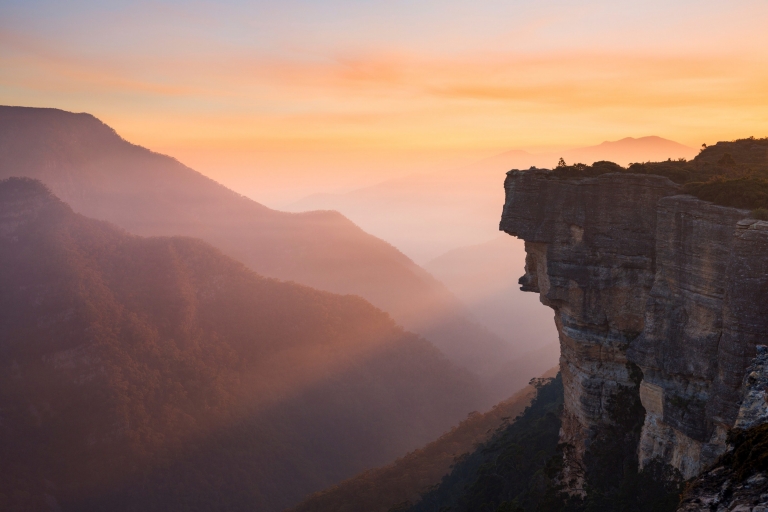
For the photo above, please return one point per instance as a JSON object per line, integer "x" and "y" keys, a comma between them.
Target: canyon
{"x": 659, "y": 297}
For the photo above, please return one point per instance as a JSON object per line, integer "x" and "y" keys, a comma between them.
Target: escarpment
{"x": 658, "y": 297}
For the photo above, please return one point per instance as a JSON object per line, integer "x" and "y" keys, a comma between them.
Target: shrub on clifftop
{"x": 729, "y": 173}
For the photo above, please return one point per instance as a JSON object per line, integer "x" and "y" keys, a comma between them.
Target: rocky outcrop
{"x": 716, "y": 492}
{"x": 650, "y": 285}
{"x": 754, "y": 401}
{"x": 736, "y": 482}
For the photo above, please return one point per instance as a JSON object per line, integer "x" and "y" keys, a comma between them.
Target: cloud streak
{"x": 353, "y": 77}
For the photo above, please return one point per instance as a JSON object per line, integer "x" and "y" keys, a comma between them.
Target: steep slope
{"x": 517, "y": 470}
{"x": 506, "y": 473}
{"x": 102, "y": 176}
{"x": 738, "y": 480}
{"x": 157, "y": 373}
{"x": 402, "y": 482}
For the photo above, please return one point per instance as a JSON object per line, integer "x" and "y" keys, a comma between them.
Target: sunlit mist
{"x": 276, "y": 93}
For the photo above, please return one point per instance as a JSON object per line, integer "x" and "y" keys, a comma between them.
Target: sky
{"x": 282, "y": 99}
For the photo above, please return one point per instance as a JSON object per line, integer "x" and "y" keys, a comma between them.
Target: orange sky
{"x": 308, "y": 96}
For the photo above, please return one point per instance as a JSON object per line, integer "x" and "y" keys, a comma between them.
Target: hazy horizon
{"x": 232, "y": 168}
{"x": 282, "y": 101}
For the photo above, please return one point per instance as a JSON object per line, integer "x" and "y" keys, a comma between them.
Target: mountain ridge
{"x": 103, "y": 176}
{"x": 143, "y": 372}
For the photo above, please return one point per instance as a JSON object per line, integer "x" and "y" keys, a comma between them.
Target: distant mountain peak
{"x": 645, "y": 140}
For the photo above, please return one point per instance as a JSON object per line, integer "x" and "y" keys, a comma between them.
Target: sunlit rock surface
{"x": 640, "y": 275}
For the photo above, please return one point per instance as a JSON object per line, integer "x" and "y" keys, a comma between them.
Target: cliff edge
{"x": 660, "y": 299}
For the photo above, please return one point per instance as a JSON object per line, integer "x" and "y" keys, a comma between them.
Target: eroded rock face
{"x": 735, "y": 482}
{"x": 754, "y": 401}
{"x": 716, "y": 492}
{"x": 641, "y": 275}
{"x": 678, "y": 348}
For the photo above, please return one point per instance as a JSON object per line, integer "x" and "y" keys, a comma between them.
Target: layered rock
{"x": 735, "y": 482}
{"x": 754, "y": 401}
{"x": 642, "y": 277}
{"x": 692, "y": 349}
{"x": 715, "y": 491}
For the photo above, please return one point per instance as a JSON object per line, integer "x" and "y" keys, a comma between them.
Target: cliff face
{"x": 738, "y": 480}
{"x": 657, "y": 293}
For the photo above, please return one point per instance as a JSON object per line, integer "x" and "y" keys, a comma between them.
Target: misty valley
{"x": 170, "y": 344}
{"x": 566, "y": 337}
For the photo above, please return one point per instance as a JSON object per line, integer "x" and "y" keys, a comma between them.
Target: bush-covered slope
{"x": 100, "y": 175}
{"x": 510, "y": 469}
{"x": 518, "y": 469}
{"x": 729, "y": 173}
{"x": 158, "y": 374}
{"x": 403, "y": 481}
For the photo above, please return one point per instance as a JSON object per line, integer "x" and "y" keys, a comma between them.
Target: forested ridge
{"x": 158, "y": 374}
{"x": 733, "y": 173}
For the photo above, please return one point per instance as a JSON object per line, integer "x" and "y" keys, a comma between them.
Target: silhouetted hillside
{"x": 402, "y": 482}
{"x": 158, "y": 374}
{"x": 100, "y": 175}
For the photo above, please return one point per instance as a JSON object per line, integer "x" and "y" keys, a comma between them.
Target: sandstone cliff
{"x": 656, "y": 294}
{"x": 739, "y": 481}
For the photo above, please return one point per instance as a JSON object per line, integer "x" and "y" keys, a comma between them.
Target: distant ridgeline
{"x": 729, "y": 173}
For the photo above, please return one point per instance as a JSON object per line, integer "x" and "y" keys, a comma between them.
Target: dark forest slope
{"x": 510, "y": 472}
{"x": 402, "y": 482}
{"x": 519, "y": 468}
{"x": 100, "y": 175}
{"x": 158, "y": 374}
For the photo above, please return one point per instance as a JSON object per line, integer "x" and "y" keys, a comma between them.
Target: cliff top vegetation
{"x": 731, "y": 173}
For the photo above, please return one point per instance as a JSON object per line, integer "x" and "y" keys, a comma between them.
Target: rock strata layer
{"x": 735, "y": 482}
{"x": 754, "y": 402}
{"x": 642, "y": 277}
